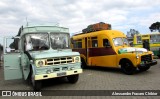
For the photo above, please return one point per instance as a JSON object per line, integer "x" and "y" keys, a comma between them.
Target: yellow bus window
{"x": 77, "y": 43}
{"x": 139, "y": 40}
{"x": 94, "y": 41}
{"x": 154, "y": 38}
{"x": 106, "y": 42}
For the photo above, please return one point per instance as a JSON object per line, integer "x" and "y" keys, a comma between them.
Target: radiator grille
{"x": 59, "y": 60}
{"x": 147, "y": 58}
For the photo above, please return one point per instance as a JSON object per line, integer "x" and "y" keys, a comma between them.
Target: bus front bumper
{"x": 152, "y": 63}
{"x": 59, "y": 74}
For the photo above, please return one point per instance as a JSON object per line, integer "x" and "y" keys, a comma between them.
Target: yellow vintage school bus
{"x": 153, "y": 39}
{"x": 110, "y": 48}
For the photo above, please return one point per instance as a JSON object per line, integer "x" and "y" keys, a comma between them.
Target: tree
{"x": 155, "y": 27}
{"x": 132, "y": 32}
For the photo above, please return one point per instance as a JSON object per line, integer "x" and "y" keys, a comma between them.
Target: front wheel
{"x": 35, "y": 84}
{"x": 144, "y": 68}
{"x": 127, "y": 67}
{"x": 73, "y": 78}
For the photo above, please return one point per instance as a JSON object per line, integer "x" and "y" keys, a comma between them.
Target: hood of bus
{"x": 49, "y": 54}
{"x": 131, "y": 49}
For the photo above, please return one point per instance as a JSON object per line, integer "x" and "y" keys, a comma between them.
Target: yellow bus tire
{"x": 83, "y": 64}
{"x": 127, "y": 67}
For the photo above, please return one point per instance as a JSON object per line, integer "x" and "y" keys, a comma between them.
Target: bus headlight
{"x": 40, "y": 63}
{"x": 152, "y": 54}
{"x": 77, "y": 59}
{"x": 137, "y": 56}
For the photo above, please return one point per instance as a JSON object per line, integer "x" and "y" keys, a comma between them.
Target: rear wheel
{"x": 83, "y": 64}
{"x": 35, "y": 83}
{"x": 127, "y": 67}
{"x": 73, "y": 78}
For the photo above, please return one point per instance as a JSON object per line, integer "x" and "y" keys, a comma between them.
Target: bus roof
{"x": 47, "y": 28}
{"x": 148, "y": 34}
{"x": 109, "y": 33}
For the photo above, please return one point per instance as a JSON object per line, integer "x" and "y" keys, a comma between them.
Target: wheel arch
{"x": 31, "y": 68}
{"x": 124, "y": 60}
{"x": 127, "y": 66}
{"x": 83, "y": 57}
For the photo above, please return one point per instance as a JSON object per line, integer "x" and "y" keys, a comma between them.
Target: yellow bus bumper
{"x": 54, "y": 75}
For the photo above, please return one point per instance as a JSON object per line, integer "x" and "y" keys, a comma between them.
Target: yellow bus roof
{"x": 148, "y": 34}
{"x": 110, "y": 33}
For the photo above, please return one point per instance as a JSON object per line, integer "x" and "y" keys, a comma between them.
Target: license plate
{"x": 61, "y": 74}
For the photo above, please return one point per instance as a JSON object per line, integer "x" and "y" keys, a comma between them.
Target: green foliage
{"x": 155, "y": 27}
{"x": 132, "y": 32}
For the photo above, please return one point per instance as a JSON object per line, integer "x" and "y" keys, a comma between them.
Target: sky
{"x": 123, "y": 15}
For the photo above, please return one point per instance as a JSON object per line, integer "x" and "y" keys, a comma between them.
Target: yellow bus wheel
{"x": 83, "y": 64}
{"x": 127, "y": 67}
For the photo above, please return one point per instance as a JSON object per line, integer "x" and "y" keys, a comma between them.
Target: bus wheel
{"x": 144, "y": 68}
{"x": 127, "y": 67}
{"x": 35, "y": 84}
{"x": 158, "y": 56}
{"x": 73, "y": 78}
{"x": 83, "y": 64}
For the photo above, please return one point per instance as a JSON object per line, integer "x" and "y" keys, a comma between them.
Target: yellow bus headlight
{"x": 152, "y": 54}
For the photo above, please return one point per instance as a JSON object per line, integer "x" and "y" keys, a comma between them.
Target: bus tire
{"x": 127, "y": 67}
{"x": 144, "y": 68}
{"x": 73, "y": 78}
{"x": 158, "y": 56}
{"x": 36, "y": 84}
{"x": 83, "y": 64}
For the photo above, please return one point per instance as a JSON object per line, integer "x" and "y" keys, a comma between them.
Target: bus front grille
{"x": 147, "y": 58}
{"x": 59, "y": 60}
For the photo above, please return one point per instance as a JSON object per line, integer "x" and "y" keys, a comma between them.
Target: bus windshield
{"x": 120, "y": 41}
{"x": 59, "y": 40}
{"x": 154, "y": 38}
{"x": 37, "y": 41}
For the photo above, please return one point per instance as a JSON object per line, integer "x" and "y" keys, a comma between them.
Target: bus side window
{"x": 74, "y": 44}
{"x": 77, "y": 43}
{"x": 106, "y": 43}
{"x": 139, "y": 40}
{"x": 94, "y": 42}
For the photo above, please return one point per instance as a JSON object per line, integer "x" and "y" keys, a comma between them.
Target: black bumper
{"x": 153, "y": 62}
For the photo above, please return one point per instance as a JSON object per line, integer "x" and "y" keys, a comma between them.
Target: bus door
{"x": 12, "y": 68}
{"x": 87, "y": 45}
{"x": 146, "y": 44}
